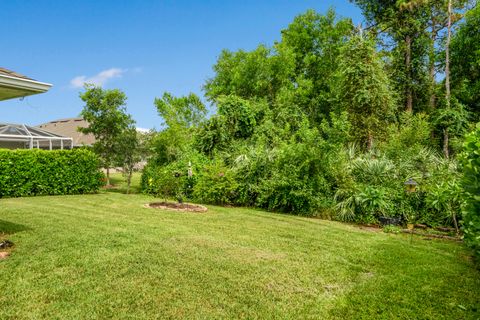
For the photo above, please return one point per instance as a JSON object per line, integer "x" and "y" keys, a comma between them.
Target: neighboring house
{"x": 69, "y": 128}
{"x": 19, "y": 136}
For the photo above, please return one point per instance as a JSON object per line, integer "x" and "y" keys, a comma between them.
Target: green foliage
{"x": 215, "y": 184}
{"x": 181, "y": 116}
{"x": 172, "y": 180}
{"x": 313, "y": 41}
{"x": 256, "y": 74}
{"x": 375, "y": 187}
{"x": 128, "y": 152}
{"x": 392, "y": 229}
{"x": 294, "y": 177}
{"x": 363, "y": 90}
{"x": 106, "y": 115}
{"x": 169, "y": 144}
{"x": 180, "y": 111}
{"x": 212, "y": 135}
{"x": 239, "y": 114}
{"x": 403, "y": 25}
{"x": 312, "y": 125}
{"x": 471, "y": 185}
{"x": 445, "y": 199}
{"x": 466, "y": 62}
{"x": 337, "y": 129}
{"x": 38, "y": 172}
{"x": 408, "y": 136}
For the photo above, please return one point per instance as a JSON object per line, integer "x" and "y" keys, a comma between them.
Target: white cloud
{"x": 99, "y": 79}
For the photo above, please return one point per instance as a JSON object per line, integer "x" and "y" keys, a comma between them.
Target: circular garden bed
{"x": 175, "y": 206}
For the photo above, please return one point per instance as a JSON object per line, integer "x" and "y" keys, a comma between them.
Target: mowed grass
{"x": 105, "y": 256}
{"x": 119, "y": 182}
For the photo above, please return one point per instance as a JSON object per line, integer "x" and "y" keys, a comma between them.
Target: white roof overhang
{"x": 13, "y": 87}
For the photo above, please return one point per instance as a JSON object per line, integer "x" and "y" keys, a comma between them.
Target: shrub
{"x": 216, "y": 185}
{"x": 39, "y": 172}
{"x": 471, "y": 185}
{"x": 172, "y": 180}
{"x": 296, "y": 174}
{"x": 392, "y": 229}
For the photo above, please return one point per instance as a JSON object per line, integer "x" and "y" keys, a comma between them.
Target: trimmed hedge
{"x": 471, "y": 184}
{"x": 39, "y": 172}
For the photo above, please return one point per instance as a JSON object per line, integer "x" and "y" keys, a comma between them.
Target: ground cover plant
{"x": 106, "y": 256}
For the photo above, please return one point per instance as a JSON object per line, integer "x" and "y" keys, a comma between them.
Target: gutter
{"x": 23, "y": 84}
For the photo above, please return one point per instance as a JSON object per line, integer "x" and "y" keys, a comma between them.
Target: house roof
{"x": 69, "y": 128}
{"x": 15, "y": 85}
{"x": 11, "y": 73}
{"x": 15, "y": 136}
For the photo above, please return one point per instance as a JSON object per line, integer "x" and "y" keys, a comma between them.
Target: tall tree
{"x": 447, "y": 74}
{"x": 260, "y": 73}
{"x": 180, "y": 111}
{"x": 180, "y": 117}
{"x": 364, "y": 90}
{"x": 106, "y": 115}
{"x": 314, "y": 42}
{"x": 405, "y": 23}
{"x": 465, "y": 62}
{"x": 297, "y": 71}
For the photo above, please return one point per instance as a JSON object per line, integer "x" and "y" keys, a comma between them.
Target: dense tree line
{"x": 334, "y": 118}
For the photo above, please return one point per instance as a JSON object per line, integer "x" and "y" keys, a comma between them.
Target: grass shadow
{"x": 119, "y": 184}
{"x": 7, "y": 227}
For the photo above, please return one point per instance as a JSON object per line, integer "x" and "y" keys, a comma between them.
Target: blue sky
{"x": 141, "y": 47}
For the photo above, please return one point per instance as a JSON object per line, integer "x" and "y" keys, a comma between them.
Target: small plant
{"x": 392, "y": 229}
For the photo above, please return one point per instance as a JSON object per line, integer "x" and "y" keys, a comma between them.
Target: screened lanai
{"x": 20, "y": 136}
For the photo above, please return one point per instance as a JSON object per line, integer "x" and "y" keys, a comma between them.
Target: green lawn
{"x": 106, "y": 256}
{"x": 120, "y": 184}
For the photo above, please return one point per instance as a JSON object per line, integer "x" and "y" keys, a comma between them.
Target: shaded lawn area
{"x": 119, "y": 182}
{"x": 105, "y": 256}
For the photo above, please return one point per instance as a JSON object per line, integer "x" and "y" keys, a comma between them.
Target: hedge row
{"x": 471, "y": 184}
{"x": 39, "y": 172}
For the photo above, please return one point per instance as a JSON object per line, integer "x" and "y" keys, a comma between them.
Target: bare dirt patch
{"x": 175, "y": 206}
{"x": 4, "y": 255}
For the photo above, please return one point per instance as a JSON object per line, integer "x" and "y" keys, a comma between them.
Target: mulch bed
{"x": 175, "y": 206}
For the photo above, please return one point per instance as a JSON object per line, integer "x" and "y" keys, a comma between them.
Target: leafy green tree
{"x": 314, "y": 41}
{"x": 296, "y": 71}
{"x": 128, "y": 152}
{"x": 465, "y": 56}
{"x": 364, "y": 91}
{"x": 180, "y": 111}
{"x": 181, "y": 115}
{"x": 106, "y": 115}
{"x": 260, "y": 73}
{"x": 405, "y": 22}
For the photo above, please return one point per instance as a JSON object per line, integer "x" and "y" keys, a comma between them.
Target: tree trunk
{"x": 408, "y": 67}
{"x": 129, "y": 180}
{"x": 447, "y": 76}
{"x": 370, "y": 142}
{"x": 108, "y": 176}
{"x": 446, "y": 152}
{"x": 433, "y": 98}
{"x": 454, "y": 216}
{"x": 447, "y": 54}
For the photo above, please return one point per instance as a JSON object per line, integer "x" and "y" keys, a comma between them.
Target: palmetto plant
{"x": 363, "y": 202}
